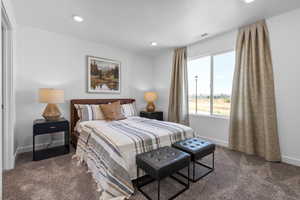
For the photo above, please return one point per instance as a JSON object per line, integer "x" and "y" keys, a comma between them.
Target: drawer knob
{"x": 52, "y": 127}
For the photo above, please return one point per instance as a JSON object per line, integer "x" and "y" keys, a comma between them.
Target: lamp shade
{"x": 50, "y": 95}
{"x": 150, "y": 96}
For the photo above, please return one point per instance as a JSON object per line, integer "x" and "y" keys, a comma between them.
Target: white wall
{"x": 162, "y": 80}
{"x": 217, "y": 44}
{"x": 285, "y": 41}
{"x": 47, "y": 59}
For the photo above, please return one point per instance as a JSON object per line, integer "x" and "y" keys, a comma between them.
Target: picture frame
{"x": 104, "y": 75}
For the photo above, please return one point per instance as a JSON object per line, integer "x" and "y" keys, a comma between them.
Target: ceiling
{"x": 133, "y": 24}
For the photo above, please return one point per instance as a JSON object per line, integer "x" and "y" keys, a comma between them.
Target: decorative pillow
{"x": 88, "y": 112}
{"x": 112, "y": 111}
{"x": 129, "y": 110}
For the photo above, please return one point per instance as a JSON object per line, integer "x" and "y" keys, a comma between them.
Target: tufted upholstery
{"x": 162, "y": 162}
{"x": 196, "y": 147}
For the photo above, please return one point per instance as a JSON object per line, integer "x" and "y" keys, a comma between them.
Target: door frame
{"x": 8, "y": 100}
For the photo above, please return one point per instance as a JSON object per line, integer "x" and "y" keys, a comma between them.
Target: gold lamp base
{"x": 150, "y": 107}
{"x": 51, "y": 112}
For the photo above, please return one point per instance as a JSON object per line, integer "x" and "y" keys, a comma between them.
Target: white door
{"x": 6, "y": 99}
{"x": 1, "y": 116}
{"x": 3, "y": 31}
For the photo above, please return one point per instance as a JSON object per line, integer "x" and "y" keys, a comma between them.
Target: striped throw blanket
{"x": 109, "y": 149}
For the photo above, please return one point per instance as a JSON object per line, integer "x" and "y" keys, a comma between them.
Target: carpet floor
{"x": 236, "y": 177}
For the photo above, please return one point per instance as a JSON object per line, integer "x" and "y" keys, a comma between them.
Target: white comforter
{"x": 110, "y": 148}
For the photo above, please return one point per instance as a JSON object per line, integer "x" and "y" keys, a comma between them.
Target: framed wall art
{"x": 104, "y": 75}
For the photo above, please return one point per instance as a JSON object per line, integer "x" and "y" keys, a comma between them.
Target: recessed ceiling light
{"x": 77, "y": 18}
{"x": 249, "y": 1}
{"x": 153, "y": 43}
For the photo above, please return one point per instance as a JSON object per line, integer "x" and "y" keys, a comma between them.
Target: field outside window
{"x": 210, "y": 84}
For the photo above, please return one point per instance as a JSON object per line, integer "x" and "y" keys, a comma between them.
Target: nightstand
{"x": 42, "y": 127}
{"x": 159, "y": 115}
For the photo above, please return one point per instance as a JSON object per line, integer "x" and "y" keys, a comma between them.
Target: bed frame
{"x": 74, "y": 116}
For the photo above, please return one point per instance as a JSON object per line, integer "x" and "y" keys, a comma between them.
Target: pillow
{"x": 112, "y": 111}
{"x": 88, "y": 112}
{"x": 129, "y": 110}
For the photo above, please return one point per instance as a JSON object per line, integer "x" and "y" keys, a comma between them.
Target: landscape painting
{"x": 103, "y": 75}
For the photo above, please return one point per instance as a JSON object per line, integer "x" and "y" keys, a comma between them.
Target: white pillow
{"x": 129, "y": 110}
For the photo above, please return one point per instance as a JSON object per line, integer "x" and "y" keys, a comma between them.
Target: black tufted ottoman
{"x": 161, "y": 163}
{"x": 198, "y": 149}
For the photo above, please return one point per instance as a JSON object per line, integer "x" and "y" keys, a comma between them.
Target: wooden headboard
{"x": 74, "y": 116}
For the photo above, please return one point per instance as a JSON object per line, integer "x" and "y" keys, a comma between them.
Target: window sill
{"x": 210, "y": 116}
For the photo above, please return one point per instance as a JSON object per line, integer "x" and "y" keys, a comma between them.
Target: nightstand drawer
{"x": 152, "y": 115}
{"x": 50, "y": 128}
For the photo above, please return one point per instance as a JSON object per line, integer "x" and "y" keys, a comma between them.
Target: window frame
{"x": 211, "y": 85}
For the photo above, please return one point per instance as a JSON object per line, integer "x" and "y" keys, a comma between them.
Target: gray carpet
{"x": 237, "y": 177}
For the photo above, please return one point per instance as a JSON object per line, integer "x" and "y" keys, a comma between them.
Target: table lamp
{"x": 150, "y": 97}
{"x": 51, "y": 97}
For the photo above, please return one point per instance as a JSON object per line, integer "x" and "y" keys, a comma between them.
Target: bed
{"x": 74, "y": 116}
{"x": 109, "y": 148}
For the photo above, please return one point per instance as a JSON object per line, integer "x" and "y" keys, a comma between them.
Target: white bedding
{"x": 120, "y": 142}
{"x": 126, "y": 145}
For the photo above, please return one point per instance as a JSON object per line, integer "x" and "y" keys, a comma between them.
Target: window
{"x": 210, "y": 83}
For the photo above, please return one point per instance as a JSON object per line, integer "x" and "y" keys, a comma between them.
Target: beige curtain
{"x": 178, "y": 100}
{"x": 253, "y": 120}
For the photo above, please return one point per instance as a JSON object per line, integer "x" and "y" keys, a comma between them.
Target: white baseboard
{"x": 15, "y": 158}
{"x": 222, "y": 143}
{"x": 23, "y": 149}
{"x": 291, "y": 161}
{"x": 12, "y": 163}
